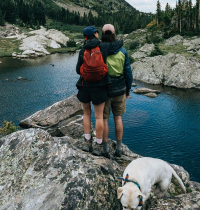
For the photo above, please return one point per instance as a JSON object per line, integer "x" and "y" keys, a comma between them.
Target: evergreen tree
{"x": 2, "y": 22}
{"x": 158, "y": 13}
{"x": 180, "y": 15}
{"x": 197, "y": 15}
{"x": 167, "y": 18}
{"x": 190, "y": 14}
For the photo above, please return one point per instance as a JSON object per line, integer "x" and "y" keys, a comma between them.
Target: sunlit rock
{"x": 172, "y": 70}
{"x": 57, "y": 36}
{"x": 144, "y": 51}
{"x": 174, "y": 40}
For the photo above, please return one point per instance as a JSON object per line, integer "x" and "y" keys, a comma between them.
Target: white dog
{"x": 139, "y": 177}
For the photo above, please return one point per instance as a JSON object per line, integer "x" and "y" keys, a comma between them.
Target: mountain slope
{"x": 97, "y": 5}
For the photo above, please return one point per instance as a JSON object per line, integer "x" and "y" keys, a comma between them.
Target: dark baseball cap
{"x": 89, "y": 31}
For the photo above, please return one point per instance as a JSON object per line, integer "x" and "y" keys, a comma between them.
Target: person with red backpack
{"x": 92, "y": 85}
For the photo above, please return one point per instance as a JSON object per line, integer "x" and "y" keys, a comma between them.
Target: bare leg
{"x": 99, "y": 120}
{"x": 118, "y": 127}
{"x": 106, "y": 130}
{"x": 86, "y": 117}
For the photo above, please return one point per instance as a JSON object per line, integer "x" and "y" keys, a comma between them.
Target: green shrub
{"x": 156, "y": 51}
{"x": 133, "y": 45}
{"x": 148, "y": 40}
{"x": 8, "y": 128}
{"x": 166, "y": 35}
{"x": 131, "y": 59}
{"x": 71, "y": 43}
{"x": 156, "y": 39}
{"x": 153, "y": 39}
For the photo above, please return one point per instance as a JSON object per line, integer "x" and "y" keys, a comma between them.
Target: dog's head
{"x": 130, "y": 196}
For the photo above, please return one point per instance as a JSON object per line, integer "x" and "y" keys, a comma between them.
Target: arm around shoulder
{"x": 80, "y": 61}
{"x": 127, "y": 72}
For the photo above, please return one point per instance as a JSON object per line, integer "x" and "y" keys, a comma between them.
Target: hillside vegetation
{"x": 32, "y": 14}
{"x": 184, "y": 19}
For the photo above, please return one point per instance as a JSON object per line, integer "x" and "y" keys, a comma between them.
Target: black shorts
{"x": 96, "y": 96}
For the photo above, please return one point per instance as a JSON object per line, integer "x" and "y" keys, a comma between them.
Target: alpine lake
{"x": 166, "y": 127}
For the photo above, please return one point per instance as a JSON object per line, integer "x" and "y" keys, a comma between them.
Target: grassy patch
{"x": 63, "y": 49}
{"x": 72, "y": 31}
{"x": 8, "y": 46}
{"x": 178, "y": 49}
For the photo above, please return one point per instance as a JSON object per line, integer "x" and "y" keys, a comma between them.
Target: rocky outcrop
{"x": 57, "y": 36}
{"x": 38, "y": 171}
{"x": 171, "y": 70}
{"x": 36, "y": 44}
{"x": 9, "y": 30}
{"x": 192, "y": 43}
{"x": 194, "y": 46}
{"x": 61, "y": 119}
{"x": 143, "y": 51}
{"x": 174, "y": 40}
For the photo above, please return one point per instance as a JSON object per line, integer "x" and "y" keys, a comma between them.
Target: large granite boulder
{"x": 61, "y": 119}
{"x": 171, "y": 70}
{"x": 34, "y": 43}
{"x": 144, "y": 51}
{"x": 57, "y": 36}
{"x": 174, "y": 40}
{"x": 38, "y": 43}
{"x": 38, "y": 171}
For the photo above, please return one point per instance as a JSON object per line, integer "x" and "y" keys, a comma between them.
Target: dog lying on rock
{"x": 138, "y": 179}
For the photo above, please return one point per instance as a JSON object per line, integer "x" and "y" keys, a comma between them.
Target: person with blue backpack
{"x": 119, "y": 70}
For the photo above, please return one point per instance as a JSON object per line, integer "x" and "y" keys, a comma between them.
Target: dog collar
{"x": 134, "y": 182}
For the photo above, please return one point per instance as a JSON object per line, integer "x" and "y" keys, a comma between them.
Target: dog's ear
{"x": 139, "y": 193}
{"x": 119, "y": 192}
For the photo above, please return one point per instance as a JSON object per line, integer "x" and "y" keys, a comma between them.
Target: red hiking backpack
{"x": 93, "y": 68}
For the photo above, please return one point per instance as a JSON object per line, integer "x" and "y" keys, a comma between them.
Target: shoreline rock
{"x": 61, "y": 119}
{"x": 142, "y": 90}
{"x": 34, "y": 43}
{"x": 170, "y": 70}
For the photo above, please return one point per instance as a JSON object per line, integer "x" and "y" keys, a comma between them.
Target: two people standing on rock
{"x": 108, "y": 93}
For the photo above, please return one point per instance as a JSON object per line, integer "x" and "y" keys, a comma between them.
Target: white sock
{"x": 99, "y": 141}
{"x": 87, "y": 136}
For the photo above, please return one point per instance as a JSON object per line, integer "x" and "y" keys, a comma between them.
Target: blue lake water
{"x": 165, "y": 127}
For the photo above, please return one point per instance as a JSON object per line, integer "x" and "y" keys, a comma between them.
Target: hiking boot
{"x": 118, "y": 153}
{"x": 106, "y": 155}
{"x": 97, "y": 148}
{"x": 87, "y": 145}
